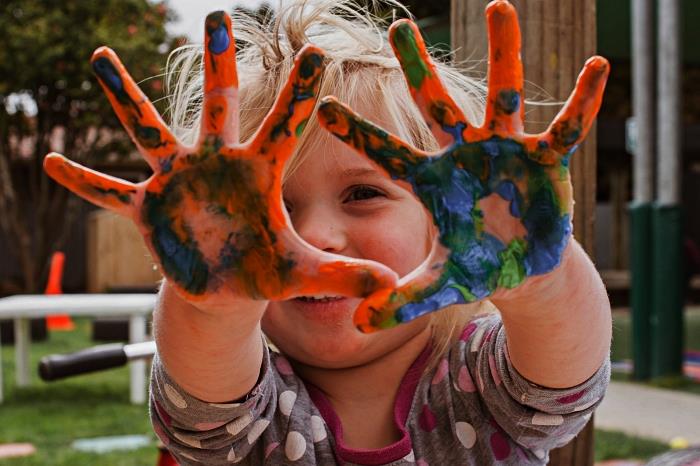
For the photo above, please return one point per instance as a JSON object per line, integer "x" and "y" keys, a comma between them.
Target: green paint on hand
{"x": 409, "y": 55}
{"x": 389, "y": 323}
{"x": 477, "y": 216}
{"x": 468, "y": 296}
{"x": 300, "y": 127}
{"x": 512, "y": 271}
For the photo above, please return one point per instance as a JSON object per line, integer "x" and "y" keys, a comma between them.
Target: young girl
{"x": 460, "y": 212}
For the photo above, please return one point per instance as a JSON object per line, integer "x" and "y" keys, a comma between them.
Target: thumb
{"x": 428, "y": 288}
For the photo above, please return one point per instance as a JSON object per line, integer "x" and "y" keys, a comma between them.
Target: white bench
{"x": 21, "y": 308}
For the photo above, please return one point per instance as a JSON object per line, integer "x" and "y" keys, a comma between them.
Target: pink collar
{"x": 402, "y": 407}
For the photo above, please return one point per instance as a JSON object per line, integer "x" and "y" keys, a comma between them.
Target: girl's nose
{"x": 322, "y": 230}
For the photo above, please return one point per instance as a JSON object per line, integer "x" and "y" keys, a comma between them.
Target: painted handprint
{"x": 212, "y": 214}
{"x": 500, "y": 199}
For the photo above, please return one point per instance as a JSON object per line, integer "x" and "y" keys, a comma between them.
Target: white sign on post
{"x": 631, "y": 135}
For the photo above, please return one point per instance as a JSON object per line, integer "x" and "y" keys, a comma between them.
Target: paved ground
{"x": 620, "y": 463}
{"x": 650, "y": 412}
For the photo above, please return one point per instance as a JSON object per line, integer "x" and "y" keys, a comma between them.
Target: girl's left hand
{"x": 212, "y": 213}
{"x": 500, "y": 198}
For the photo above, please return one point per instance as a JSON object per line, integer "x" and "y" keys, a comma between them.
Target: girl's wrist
{"x": 551, "y": 284}
{"x": 543, "y": 322}
{"x": 213, "y": 356}
{"x": 217, "y": 309}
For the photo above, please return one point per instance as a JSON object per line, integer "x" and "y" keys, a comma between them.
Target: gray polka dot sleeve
{"x": 472, "y": 409}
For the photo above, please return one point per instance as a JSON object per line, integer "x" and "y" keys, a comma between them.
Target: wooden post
{"x": 558, "y": 37}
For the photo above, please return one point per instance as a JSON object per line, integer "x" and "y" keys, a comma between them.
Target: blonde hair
{"x": 360, "y": 70}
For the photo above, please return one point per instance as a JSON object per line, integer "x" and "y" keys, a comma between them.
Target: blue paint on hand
{"x": 508, "y": 101}
{"x": 230, "y": 255}
{"x": 458, "y": 197}
{"x": 509, "y": 192}
{"x": 456, "y": 131}
{"x": 180, "y": 260}
{"x": 109, "y": 75}
{"x": 477, "y": 267}
{"x": 544, "y": 252}
{"x": 566, "y": 158}
{"x": 219, "y": 39}
{"x": 491, "y": 148}
{"x": 166, "y": 163}
{"x": 446, "y": 296}
{"x": 450, "y": 186}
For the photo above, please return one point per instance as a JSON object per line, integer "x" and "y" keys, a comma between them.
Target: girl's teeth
{"x": 319, "y": 299}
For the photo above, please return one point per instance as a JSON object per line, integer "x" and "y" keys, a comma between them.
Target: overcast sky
{"x": 191, "y": 14}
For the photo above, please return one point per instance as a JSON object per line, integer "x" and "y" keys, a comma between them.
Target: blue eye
{"x": 362, "y": 193}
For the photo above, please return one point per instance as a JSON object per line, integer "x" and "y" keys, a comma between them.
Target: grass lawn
{"x": 611, "y": 445}
{"x": 52, "y": 415}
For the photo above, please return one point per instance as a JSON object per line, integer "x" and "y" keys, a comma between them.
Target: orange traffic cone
{"x": 53, "y": 286}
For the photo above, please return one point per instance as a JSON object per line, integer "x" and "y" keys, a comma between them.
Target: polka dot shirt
{"x": 472, "y": 409}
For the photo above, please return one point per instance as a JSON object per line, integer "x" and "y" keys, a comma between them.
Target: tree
{"x": 49, "y": 100}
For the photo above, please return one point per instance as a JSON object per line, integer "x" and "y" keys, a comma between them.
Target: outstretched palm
{"x": 212, "y": 214}
{"x": 501, "y": 199}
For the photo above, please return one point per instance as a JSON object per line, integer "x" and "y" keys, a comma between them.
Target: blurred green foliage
{"x": 49, "y": 100}
{"x": 45, "y": 48}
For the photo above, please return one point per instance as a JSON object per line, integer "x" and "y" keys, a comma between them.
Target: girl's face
{"x": 342, "y": 203}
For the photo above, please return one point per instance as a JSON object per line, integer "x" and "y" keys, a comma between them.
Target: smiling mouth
{"x": 319, "y": 299}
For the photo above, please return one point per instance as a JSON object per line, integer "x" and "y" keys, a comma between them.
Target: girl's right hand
{"x": 212, "y": 214}
{"x": 501, "y": 199}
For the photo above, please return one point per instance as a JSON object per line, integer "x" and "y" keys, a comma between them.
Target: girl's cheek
{"x": 399, "y": 240}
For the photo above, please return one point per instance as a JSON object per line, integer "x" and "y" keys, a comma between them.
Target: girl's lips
{"x": 325, "y": 310}
{"x": 312, "y": 299}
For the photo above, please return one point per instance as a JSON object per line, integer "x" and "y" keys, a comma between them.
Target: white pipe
{"x": 643, "y": 99}
{"x": 669, "y": 108}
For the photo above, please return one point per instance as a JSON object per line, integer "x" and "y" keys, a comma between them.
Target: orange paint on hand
{"x": 212, "y": 214}
{"x": 501, "y": 199}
